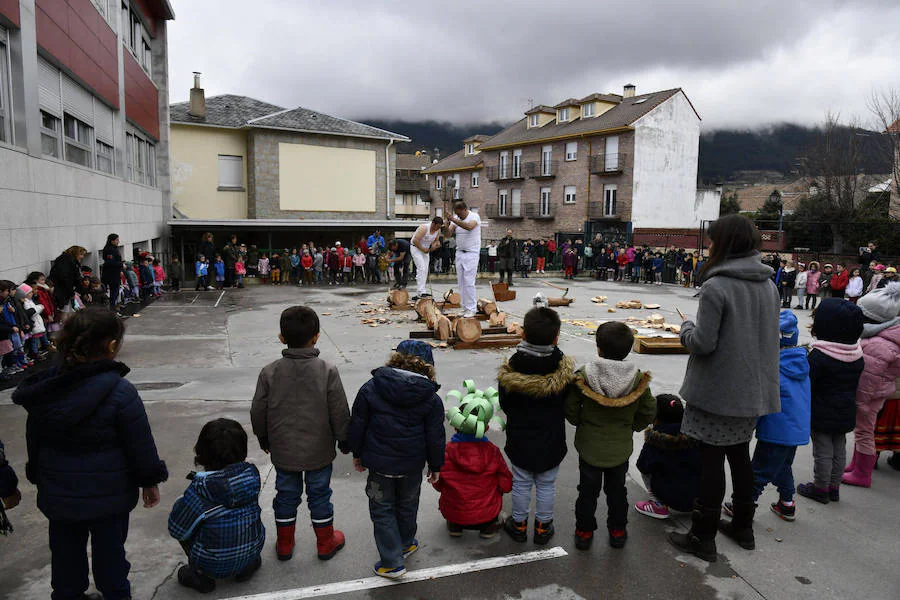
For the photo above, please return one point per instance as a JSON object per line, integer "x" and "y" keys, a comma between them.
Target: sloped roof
{"x": 602, "y": 98}
{"x": 458, "y": 161}
{"x": 894, "y": 128}
{"x": 478, "y": 137}
{"x": 411, "y": 162}
{"x": 567, "y": 102}
{"x": 306, "y": 120}
{"x": 541, "y": 108}
{"x": 622, "y": 115}
{"x": 226, "y": 110}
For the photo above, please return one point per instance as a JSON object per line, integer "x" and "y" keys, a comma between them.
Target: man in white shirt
{"x": 426, "y": 238}
{"x": 467, "y": 227}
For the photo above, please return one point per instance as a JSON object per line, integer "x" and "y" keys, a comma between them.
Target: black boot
{"x": 193, "y": 578}
{"x": 248, "y": 572}
{"x": 701, "y": 539}
{"x": 740, "y": 528}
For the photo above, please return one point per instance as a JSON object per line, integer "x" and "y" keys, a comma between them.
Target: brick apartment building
{"x": 620, "y": 165}
{"x": 83, "y": 128}
{"x": 412, "y": 189}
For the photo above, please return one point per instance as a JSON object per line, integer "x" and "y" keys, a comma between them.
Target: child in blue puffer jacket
{"x": 779, "y": 434}
{"x": 217, "y": 520}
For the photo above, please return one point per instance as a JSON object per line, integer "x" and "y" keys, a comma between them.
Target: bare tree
{"x": 885, "y": 108}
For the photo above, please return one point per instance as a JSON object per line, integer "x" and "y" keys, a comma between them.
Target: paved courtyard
{"x": 196, "y": 356}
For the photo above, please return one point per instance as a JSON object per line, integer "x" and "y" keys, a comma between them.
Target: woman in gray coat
{"x": 732, "y": 379}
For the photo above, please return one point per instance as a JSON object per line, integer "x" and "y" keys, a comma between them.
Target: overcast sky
{"x": 742, "y": 63}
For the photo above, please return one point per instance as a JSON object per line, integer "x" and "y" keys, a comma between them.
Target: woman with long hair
{"x": 732, "y": 379}
{"x": 66, "y": 276}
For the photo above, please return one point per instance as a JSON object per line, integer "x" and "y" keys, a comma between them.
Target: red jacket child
{"x": 306, "y": 261}
{"x": 473, "y": 480}
{"x": 840, "y": 281}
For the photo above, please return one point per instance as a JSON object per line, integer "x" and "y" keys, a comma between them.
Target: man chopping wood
{"x": 466, "y": 225}
{"x": 424, "y": 241}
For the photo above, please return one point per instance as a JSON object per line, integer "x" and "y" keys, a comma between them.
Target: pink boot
{"x": 861, "y": 476}
{"x": 852, "y": 466}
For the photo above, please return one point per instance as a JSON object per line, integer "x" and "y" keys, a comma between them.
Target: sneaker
{"x": 389, "y": 572}
{"x": 583, "y": 539}
{"x": 517, "y": 530}
{"x": 490, "y": 530}
{"x": 617, "y": 538}
{"x": 195, "y": 579}
{"x": 414, "y": 298}
{"x": 728, "y": 509}
{"x": 809, "y": 490}
{"x": 652, "y": 509}
{"x": 834, "y": 492}
{"x": 785, "y": 512}
{"x": 543, "y": 531}
{"x": 454, "y": 529}
{"x": 411, "y": 549}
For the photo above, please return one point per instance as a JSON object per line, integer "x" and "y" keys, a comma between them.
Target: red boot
{"x": 328, "y": 541}
{"x": 861, "y": 476}
{"x": 852, "y": 466}
{"x": 284, "y": 547}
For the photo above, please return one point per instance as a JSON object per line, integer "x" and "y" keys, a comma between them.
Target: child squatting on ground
{"x": 835, "y": 364}
{"x": 90, "y": 449}
{"x": 532, "y": 386}
{"x": 669, "y": 462}
{"x": 609, "y": 400}
{"x": 779, "y": 434}
{"x": 396, "y": 429}
{"x": 298, "y": 412}
{"x": 474, "y": 476}
{"x": 217, "y": 520}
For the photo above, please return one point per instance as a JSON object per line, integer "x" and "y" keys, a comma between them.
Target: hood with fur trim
{"x": 641, "y": 382}
{"x": 667, "y": 441}
{"x": 550, "y": 384}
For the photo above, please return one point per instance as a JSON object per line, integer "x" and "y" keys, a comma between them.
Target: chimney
{"x": 629, "y": 91}
{"x": 198, "y": 99}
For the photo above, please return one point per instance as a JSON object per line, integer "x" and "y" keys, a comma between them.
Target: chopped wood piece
{"x": 398, "y": 298}
{"x": 452, "y": 297}
{"x": 560, "y": 301}
{"x": 468, "y": 329}
{"x": 651, "y": 306}
{"x": 442, "y": 328}
{"x": 498, "y": 319}
{"x": 610, "y": 310}
{"x": 514, "y": 328}
{"x": 487, "y": 307}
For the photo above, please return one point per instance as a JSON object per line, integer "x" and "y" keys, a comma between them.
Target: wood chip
{"x": 611, "y": 310}
{"x": 651, "y": 306}
{"x": 326, "y": 314}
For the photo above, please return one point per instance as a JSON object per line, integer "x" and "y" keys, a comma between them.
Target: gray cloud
{"x": 741, "y": 63}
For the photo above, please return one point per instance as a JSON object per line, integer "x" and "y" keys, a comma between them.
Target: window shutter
{"x": 103, "y": 122}
{"x": 231, "y": 171}
{"x": 49, "y": 97}
{"x": 77, "y": 101}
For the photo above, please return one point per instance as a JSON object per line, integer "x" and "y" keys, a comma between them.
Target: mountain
{"x": 428, "y": 135}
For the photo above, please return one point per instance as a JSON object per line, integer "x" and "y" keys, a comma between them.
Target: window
{"x": 475, "y": 179}
{"x": 457, "y": 181}
{"x": 587, "y": 110}
{"x": 146, "y": 56}
{"x": 517, "y": 164}
{"x": 439, "y": 212}
{"x": 470, "y": 148}
{"x": 641, "y": 101}
{"x": 502, "y": 202}
{"x": 107, "y": 8}
{"x": 534, "y": 120}
{"x": 231, "y": 172}
{"x": 504, "y": 164}
{"x": 563, "y": 115}
{"x": 5, "y": 119}
{"x": 571, "y": 150}
{"x": 136, "y": 37}
{"x": 570, "y": 194}
{"x": 545, "y": 201}
{"x": 612, "y": 153}
{"x": 439, "y": 182}
{"x": 609, "y": 201}
{"x": 129, "y": 156}
{"x": 50, "y": 127}
{"x": 105, "y": 160}
{"x": 546, "y": 157}
{"x": 79, "y": 141}
{"x": 516, "y": 208}
{"x": 140, "y": 159}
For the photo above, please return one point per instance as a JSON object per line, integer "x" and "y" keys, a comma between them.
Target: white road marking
{"x": 195, "y": 298}
{"x": 220, "y": 299}
{"x": 355, "y": 585}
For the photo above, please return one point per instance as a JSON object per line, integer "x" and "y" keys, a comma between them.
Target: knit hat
{"x": 787, "y": 325}
{"x": 22, "y": 291}
{"x": 882, "y": 304}
{"x": 890, "y": 270}
{"x": 416, "y": 348}
{"x": 838, "y": 321}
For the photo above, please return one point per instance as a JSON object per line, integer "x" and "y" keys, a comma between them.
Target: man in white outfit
{"x": 424, "y": 240}
{"x": 467, "y": 227}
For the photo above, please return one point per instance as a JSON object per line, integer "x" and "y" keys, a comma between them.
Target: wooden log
{"x": 494, "y": 341}
{"x": 452, "y": 297}
{"x": 398, "y": 298}
{"x": 468, "y": 329}
{"x": 514, "y": 329}
{"x": 560, "y": 301}
{"x": 487, "y": 307}
{"x": 497, "y": 319}
{"x": 442, "y": 328}
{"x": 427, "y": 310}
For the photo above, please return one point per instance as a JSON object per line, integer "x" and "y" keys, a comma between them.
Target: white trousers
{"x": 421, "y": 260}
{"x": 466, "y": 271}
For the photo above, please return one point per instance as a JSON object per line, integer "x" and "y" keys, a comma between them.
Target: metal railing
{"x": 491, "y": 212}
{"x": 608, "y": 164}
{"x": 534, "y": 210}
{"x": 498, "y": 174}
{"x": 541, "y": 169}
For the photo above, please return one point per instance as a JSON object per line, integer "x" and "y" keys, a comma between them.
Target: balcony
{"x": 597, "y": 212}
{"x": 533, "y": 211}
{"x": 411, "y": 183}
{"x": 608, "y": 164}
{"x": 542, "y": 170}
{"x": 491, "y": 212}
{"x": 507, "y": 174}
{"x": 412, "y": 210}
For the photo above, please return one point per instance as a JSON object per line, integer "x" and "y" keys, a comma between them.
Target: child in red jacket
{"x": 475, "y": 475}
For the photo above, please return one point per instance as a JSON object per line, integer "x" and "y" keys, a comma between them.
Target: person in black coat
{"x": 66, "y": 276}
{"x": 111, "y": 273}
{"x": 9, "y": 490}
{"x": 90, "y": 451}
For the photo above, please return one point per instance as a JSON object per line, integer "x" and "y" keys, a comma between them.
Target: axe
{"x": 559, "y": 287}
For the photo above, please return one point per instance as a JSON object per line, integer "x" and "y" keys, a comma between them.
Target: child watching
{"x": 176, "y": 274}
{"x": 262, "y": 267}
{"x": 240, "y": 271}
{"x": 219, "y": 269}
{"x": 779, "y": 434}
{"x": 318, "y": 262}
{"x": 396, "y": 429}
{"x": 669, "y": 462}
{"x": 474, "y": 476}
{"x": 131, "y": 280}
{"x": 87, "y": 431}
{"x": 148, "y": 278}
{"x": 202, "y": 271}
{"x": 217, "y": 520}
{"x": 532, "y": 394}
{"x": 854, "y": 286}
{"x": 38, "y": 339}
{"x": 298, "y": 412}
{"x": 159, "y": 277}
{"x": 835, "y": 364}
{"x": 276, "y": 269}
{"x": 658, "y": 268}
{"x": 306, "y": 263}
{"x": 607, "y": 402}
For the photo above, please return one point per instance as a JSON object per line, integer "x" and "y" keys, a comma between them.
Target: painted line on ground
{"x": 356, "y": 585}
{"x": 195, "y": 298}
{"x": 220, "y": 299}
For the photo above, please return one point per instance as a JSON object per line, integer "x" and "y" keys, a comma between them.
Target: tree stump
{"x": 442, "y": 328}
{"x": 398, "y": 298}
{"x": 487, "y": 307}
{"x": 452, "y": 297}
{"x": 428, "y": 311}
{"x": 498, "y": 319}
{"x": 560, "y": 301}
{"x": 468, "y": 329}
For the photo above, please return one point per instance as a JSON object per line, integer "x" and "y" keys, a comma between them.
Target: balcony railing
{"x": 597, "y": 211}
{"x": 541, "y": 170}
{"x": 608, "y": 164}
{"x": 412, "y": 210}
{"x": 533, "y": 210}
{"x": 411, "y": 183}
{"x": 507, "y": 174}
{"x": 491, "y": 212}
